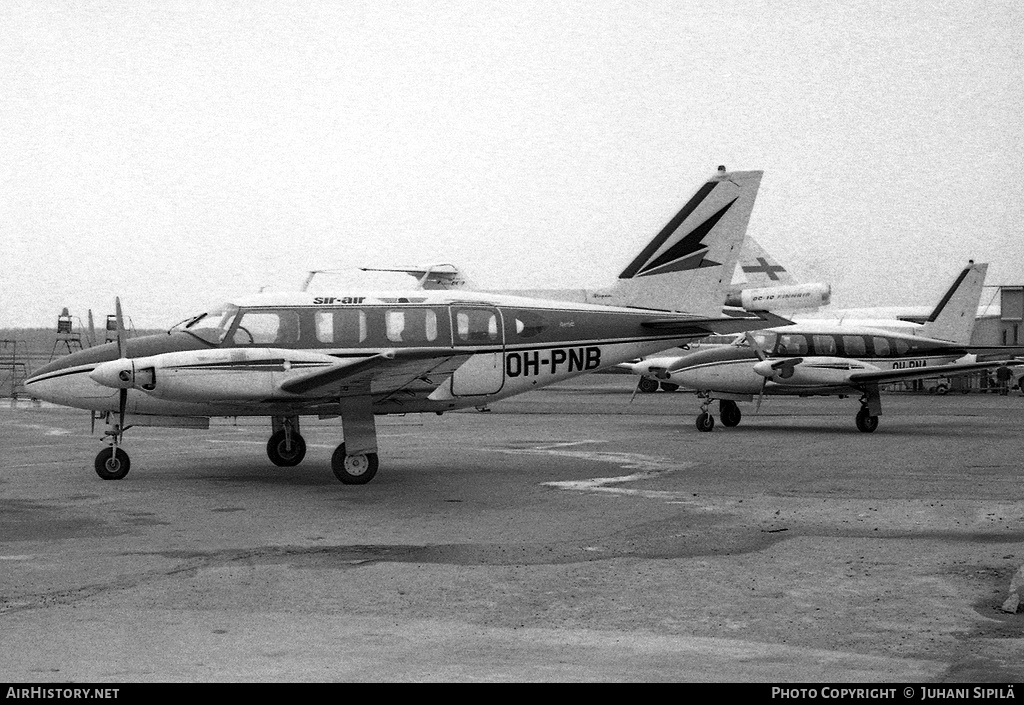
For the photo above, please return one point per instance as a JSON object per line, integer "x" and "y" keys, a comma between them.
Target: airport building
{"x": 1002, "y": 327}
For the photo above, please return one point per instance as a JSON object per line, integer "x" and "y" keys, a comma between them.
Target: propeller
{"x": 755, "y": 345}
{"x": 769, "y": 368}
{"x": 122, "y": 348}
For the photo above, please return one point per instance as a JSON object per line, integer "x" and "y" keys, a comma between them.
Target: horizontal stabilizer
{"x": 435, "y": 276}
{"x": 995, "y": 352}
{"x": 717, "y": 324}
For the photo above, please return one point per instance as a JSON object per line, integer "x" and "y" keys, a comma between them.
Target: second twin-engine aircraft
{"x": 827, "y": 358}
{"x": 360, "y": 354}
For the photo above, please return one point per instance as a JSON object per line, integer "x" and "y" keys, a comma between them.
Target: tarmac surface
{"x": 566, "y": 535}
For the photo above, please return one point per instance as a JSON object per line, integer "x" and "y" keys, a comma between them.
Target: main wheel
{"x": 865, "y": 421}
{"x": 647, "y": 385}
{"x": 705, "y": 421}
{"x": 112, "y": 464}
{"x": 279, "y": 453}
{"x": 730, "y": 412}
{"x": 669, "y": 387}
{"x": 353, "y": 469}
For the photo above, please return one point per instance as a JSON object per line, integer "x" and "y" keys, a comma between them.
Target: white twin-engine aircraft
{"x": 831, "y": 358}
{"x": 357, "y": 355}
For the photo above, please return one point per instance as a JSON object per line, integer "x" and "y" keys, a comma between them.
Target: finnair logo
{"x": 763, "y": 267}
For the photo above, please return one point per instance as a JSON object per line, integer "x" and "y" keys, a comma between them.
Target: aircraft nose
{"x": 116, "y": 374}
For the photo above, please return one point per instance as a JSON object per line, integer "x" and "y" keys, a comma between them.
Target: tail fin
{"x": 953, "y": 318}
{"x": 689, "y": 265}
{"x": 756, "y": 268}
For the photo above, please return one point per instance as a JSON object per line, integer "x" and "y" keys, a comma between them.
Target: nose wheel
{"x": 286, "y": 449}
{"x": 705, "y": 421}
{"x": 112, "y": 463}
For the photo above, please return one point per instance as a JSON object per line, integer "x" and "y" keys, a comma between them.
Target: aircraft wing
{"x": 995, "y": 352}
{"x": 698, "y": 326}
{"x": 953, "y": 369}
{"x": 389, "y": 372}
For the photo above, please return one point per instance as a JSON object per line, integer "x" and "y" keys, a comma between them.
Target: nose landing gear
{"x": 112, "y": 463}
{"x": 705, "y": 421}
{"x": 286, "y": 447}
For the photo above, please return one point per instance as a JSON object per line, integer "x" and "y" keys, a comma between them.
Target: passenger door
{"x": 482, "y": 328}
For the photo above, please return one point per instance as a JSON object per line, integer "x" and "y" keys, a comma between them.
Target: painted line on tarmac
{"x": 648, "y": 467}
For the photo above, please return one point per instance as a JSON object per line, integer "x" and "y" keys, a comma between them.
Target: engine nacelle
{"x": 782, "y": 298}
{"x": 238, "y": 374}
{"x": 811, "y": 371}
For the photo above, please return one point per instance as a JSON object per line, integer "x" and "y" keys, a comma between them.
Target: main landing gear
{"x": 649, "y": 386}
{"x": 354, "y": 462}
{"x": 728, "y": 410}
{"x": 870, "y": 410}
{"x": 353, "y": 469}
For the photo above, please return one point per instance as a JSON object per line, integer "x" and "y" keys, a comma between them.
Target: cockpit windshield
{"x": 764, "y": 339}
{"x": 210, "y": 327}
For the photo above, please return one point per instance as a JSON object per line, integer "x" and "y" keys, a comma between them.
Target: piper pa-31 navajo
{"x": 358, "y": 354}
{"x": 821, "y": 358}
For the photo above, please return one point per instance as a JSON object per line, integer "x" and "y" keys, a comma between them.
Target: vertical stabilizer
{"x": 953, "y": 318}
{"x": 689, "y": 265}
{"x": 758, "y": 269}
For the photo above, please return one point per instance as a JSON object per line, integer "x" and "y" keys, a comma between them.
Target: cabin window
{"x": 343, "y": 327}
{"x": 824, "y": 345}
{"x": 853, "y": 346}
{"x": 476, "y": 325}
{"x": 881, "y": 346}
{"x": 267, "y": 328}
{"x": 414, "y": 325}
{"x": 902, "y": 347}
{"x": 791, "y": 345}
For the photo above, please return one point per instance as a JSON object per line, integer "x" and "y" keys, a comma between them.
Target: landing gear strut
{"x": 870, "y": 410}
{"x": 355, "y": 461}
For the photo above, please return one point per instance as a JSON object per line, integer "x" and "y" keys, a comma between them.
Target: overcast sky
{"x": 179, "y": 153}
